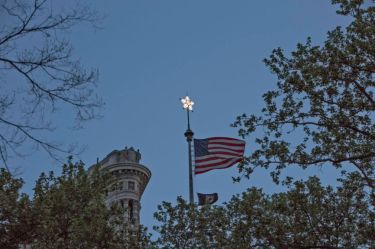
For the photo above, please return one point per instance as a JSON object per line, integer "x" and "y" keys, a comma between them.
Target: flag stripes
{"x": 217, "y": 153}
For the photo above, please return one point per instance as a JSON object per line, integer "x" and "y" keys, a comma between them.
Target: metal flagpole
{"x": 187, "y": 104}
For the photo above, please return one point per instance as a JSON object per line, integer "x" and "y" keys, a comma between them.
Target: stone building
{"x": 133, "y": 178}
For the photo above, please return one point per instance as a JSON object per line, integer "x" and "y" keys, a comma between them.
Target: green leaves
{"x": 189, "y": 226}
{"x": 322, "y": 110}
{"x": 67, "y": 212}
{"x": 308, "y": 215}
{"x": 15, "y": 221}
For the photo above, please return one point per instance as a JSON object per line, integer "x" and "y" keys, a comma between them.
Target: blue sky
{"x": 151, "y": 53}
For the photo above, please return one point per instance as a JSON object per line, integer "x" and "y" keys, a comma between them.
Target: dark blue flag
{"x": 205, "y": 199}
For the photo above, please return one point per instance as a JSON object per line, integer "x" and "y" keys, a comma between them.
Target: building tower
{"x": 132, "y": 181}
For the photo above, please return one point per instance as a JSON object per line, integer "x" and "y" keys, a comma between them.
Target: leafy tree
{"x": 186, "y": 226}
{"x": 14, "y": 212}
{"x": 67, "y": 211}
{"x": 308, "y": 215}
{"x": 72, "y": 212}
{"x": 39, "y": 74}
{"x": 322, "y": 111}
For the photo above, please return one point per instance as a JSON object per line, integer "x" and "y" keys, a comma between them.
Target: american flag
{"x": 217, "y": 153}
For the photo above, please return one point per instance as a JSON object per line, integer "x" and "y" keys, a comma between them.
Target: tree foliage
{"x": 67, "y": 211}
{"x": 14, "y": 212}
{"x": 308, "y": 215}
{"x": 39, "y": 74}
{"x": 322, "y": 111}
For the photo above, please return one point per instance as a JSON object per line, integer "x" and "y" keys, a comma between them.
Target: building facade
{"x": 132, "y": 177}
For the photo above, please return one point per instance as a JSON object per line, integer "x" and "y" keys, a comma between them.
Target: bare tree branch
{"x": 44, "y": 76}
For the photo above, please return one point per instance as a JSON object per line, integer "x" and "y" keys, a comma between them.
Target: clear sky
{"x": 151, "y": 53}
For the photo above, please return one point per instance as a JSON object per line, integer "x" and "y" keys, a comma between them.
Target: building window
{"x": 131, "y": 186}
{"x": 131, "y": 211}
{"x": 130, "y": 207}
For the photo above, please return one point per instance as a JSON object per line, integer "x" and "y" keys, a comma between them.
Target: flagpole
{"x": 188, "y": 105}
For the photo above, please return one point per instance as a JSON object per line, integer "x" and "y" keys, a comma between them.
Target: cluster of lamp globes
{"x": 187, "y": 103}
